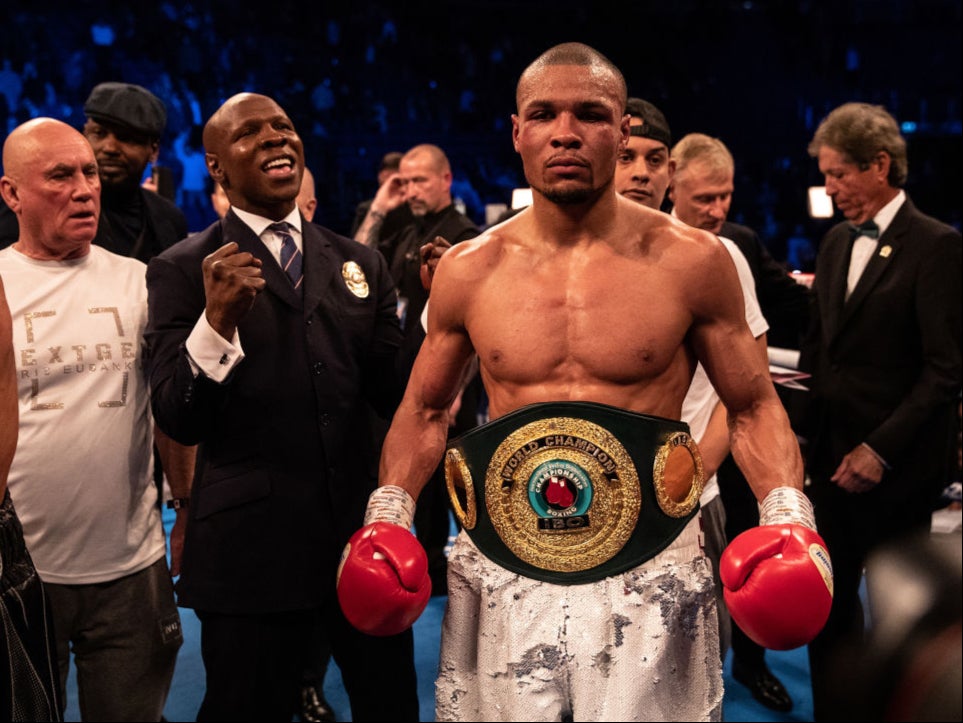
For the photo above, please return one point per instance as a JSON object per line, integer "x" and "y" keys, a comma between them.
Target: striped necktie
{"x": 290, "y": 255}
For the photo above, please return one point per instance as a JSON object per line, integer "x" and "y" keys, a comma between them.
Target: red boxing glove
{"x": 778, "y": 582}
{"x": 383, "y": 582}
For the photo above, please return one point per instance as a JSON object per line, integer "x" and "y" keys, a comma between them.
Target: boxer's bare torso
{"x": 607, "y": 319}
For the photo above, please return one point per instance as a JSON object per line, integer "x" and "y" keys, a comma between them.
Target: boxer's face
{"x": 569, "y": 130}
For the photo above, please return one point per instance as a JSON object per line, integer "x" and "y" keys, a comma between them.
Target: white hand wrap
{"x": 390, "y": 504}
{"x": 787, "y": 505}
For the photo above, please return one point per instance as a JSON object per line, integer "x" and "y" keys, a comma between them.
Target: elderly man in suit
{"x": 884, "y": 351}
{"x": 270, "y": 339}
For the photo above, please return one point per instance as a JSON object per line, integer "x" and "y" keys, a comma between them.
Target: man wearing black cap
{"x": 124, "y": 125}
{"x": 644, "y": 169}
{"x": 644, "y": 173}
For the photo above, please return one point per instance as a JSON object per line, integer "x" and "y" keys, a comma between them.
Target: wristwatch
{"x": 178, "y": 503}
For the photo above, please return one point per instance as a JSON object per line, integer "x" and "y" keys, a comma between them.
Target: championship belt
{"x": 573, "y": 492}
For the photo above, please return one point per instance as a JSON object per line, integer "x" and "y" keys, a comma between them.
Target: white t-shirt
{"x": 701, "y": 398}
{"x": 82, "y": 477}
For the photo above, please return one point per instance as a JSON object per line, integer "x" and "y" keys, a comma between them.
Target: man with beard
{"x": 124, "y": 126}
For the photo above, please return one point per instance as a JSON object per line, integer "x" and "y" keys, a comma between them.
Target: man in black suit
{"x": 269, "y": 337}
{"x": 884, "y": 353}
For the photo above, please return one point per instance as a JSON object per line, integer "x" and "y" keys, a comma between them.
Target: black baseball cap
{"x": 127, "y": 105}
{"x": 654, "y": 125}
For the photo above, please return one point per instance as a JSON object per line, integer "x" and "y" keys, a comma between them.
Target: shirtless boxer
{"x": 588, "y": 313}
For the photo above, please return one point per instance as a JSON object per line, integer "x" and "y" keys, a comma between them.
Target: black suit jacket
{"x": 886, "y": 362}
{"x": 784, "y": 302}
{"x": 286, "y": 458}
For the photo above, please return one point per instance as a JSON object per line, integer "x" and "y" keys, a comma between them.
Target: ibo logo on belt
{"x": 560, "y": 492}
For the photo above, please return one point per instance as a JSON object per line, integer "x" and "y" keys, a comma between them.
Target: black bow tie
{"x": 869, "y": 229}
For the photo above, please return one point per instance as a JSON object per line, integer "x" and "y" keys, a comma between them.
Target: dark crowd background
{"x": 363, "y": 78}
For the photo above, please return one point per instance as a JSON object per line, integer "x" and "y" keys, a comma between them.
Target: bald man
{"x": 271, "y": 340}
{"x": 82, "y": 477}
{"x": 306, "y": 199}
{"x": 423, "y": 183}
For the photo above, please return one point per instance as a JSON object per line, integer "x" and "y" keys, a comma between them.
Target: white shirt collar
{"x": 887, "y": 213}
{"x": 258, "y": 224}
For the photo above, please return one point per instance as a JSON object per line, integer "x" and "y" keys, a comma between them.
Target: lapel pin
{"x": 886, "y": 251}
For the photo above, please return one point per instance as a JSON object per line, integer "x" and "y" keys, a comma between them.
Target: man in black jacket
{"x": 124, "y": 125}
{"x": 423, "y": 183}
{"x": 270, "y": 340}
{"x": 883, "y": 349}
